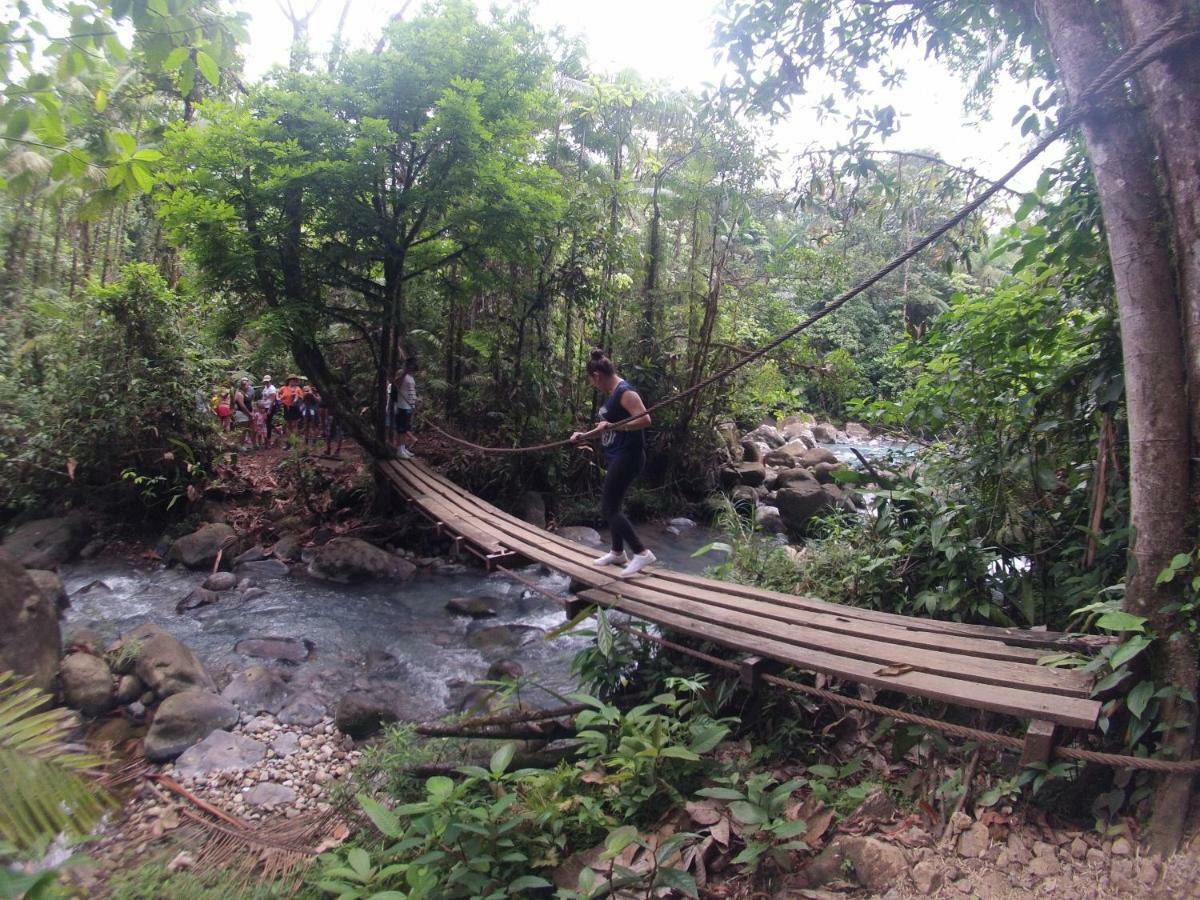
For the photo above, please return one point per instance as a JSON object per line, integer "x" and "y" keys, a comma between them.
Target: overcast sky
{"x": 670, "y": 41}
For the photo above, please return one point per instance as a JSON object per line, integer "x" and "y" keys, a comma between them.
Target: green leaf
{"x": 720, "y": 793}
{"x": 747, "y": 813}
{"x": 360, "y": 862}
{"x": 791, "y": 829}
{"x": 385, "y": 820}
{"x": 125, "y": 141}
{"x": 18, "y": 123}
{"x": 1120, "y": 621}
{"x": 502, "y": 758}
{"x": 678, "y": 880}
{"x": 1139, "y": 697}
{"x": 528, "y": 882}
{"x": 101, "y": 100}
{"x": 439, "y": 787}
{"x": 719, "y": 546}
{"x": 1129, "y": 650}
{"x": 676, "y": 752}
{"x": 618, "y": 839}
{"x": 208, "y": 68}
{"x": 175, "y": 58}
{"x": 145, "y": 181}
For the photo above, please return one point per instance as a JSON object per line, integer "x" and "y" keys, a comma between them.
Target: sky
{"x": 670, "y": 41}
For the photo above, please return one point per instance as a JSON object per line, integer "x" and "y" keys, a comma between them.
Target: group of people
{"x": 252, "y": 412}
{"x": 621, "y": 422}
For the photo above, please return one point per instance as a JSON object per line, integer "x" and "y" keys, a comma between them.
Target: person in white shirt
{"x": 268, "y": 400}
{"x": 404, "y": 396}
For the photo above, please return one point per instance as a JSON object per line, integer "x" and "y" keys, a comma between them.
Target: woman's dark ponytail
{"x": 600, "y": 363}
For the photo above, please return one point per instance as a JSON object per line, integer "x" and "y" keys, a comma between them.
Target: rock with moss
{"x": 47, "y": 543}
{"x": 346, "y": 560}
{"x": 199, "y": 549}
{"x": 87, "y": 684}
{"x": 185, "y": 719}
{"x": 30, "y": 640}
{"x": 164, "y": 664}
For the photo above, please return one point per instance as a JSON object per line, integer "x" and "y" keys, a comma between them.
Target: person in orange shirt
{"x": 290, "y": 397}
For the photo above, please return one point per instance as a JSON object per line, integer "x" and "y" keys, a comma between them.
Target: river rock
{"x": 857, "y": 432}
{"x": 825, "y": 433}
{"x": 531, "y": 508}
{"x": 581, "y": 534}
{"x": 816, "y": 456}
{"x": 257, "y": 689}
{"x": 744, "y": 498}
{"x": 346, "y": 559}
{"x": 769, "y": 520}
{"x": 767, "y": 434}
{"x": 199, "y": 549}
{"x": 220, "y": 581}
{"x": 96, "y": 586}
{"x": 213, "y": 513}
{"x": 497, "y": 637}
{"x": 129, "y": 688}
{"x": 220, "y": 751}
{"x": 304, "y": 708}
{"x": 184, "y": 719}
{"x": 51, "y": 587}
{"x": 164, "y": 664}
{"x": 361, "y": 713}
{"x": 877, "y": 865}
{"x": 288, "y": 547}
{"x": 505, "y": 668}
{"x": 750, "y": 452}
{"x": 974, "y": 842}
{"x": 475, "y": 607}
{"x": 30, "y": 640}
{"x": 267, "y": 795}
{"x": 286, "y": 744}
{"x": 85, "y": 640}
{"x": 263, "y": 569}
{"x": 799, "y": 503}
{"x": 792, "y": 477}
{"x": 824, "y": 472}
{"x": 87, "y": 684}
{"x": 47, "y": 543}
{"x": 197, "y": 598}
{"x": 749, "y": 474}
{"x": 284, "y": 649}
{"x": 779, "y": 459}
{"x": 252, "y": 554}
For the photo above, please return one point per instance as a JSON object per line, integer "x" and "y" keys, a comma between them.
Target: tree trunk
{"x": 1122, "y": 155}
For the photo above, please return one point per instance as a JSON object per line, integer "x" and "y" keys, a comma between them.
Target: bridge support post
{"x": 751, "y": 670}
{"x": 575, "y": 607}
{"x": 1039, "y": 742}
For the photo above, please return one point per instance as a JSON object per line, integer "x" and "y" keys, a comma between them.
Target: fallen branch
{"x": 548, "y": 733}
{"x": 520, "y": 715}
{"x": 968, "y": 778}
{"x": 175, "y": 787}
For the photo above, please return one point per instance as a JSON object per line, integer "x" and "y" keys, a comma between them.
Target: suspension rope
{"x": 1129, "y": 62}
{"x": 990, "y": 738}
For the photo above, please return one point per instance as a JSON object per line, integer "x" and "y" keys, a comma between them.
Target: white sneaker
{"x": 405, "y": 453}
{"x": 612, "y": 556}
{"x": 639, "y": 562}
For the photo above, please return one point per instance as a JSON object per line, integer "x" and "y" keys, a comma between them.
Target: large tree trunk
{"x": 1122, "y": 157}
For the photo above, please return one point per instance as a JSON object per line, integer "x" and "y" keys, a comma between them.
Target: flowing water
{"x": 396, "y": 632}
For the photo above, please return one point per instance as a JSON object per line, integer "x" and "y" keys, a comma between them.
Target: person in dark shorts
{"x": 625, "y": 456}
{"x": 404, "y": 394}
{"x": 290, "y": 396}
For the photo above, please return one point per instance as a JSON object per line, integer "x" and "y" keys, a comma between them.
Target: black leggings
{"x": 622, "y": 470}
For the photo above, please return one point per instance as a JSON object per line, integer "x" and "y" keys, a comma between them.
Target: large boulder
{"x": 87, "y": 684}
{"x": 857, "y": 432}
{"x": 474, "y": 607}
{"x": 47, "y": 543}
{"x": 256, "y": 690}
{"x": 789, "y": 477}
{"x": 165, "y": 665}
{"x": 799, "y": 503}
{"x": 199, "y": 549}
{"x": 346, "y": 559}
{"x": 817, "y": 456}
{"x": 185, "y": 719}
{"x": 220, "y": 581}
{"x": 532, "y": 508}
{"x": 751, "y": 474}
{"x": 280, "y": 649}
{"x": 288, "y": 548}
{"x": 769, "y": 520}
{"x": 824, "y": 472}
{"x": 581, "y": 534}
{"x": 878, "y": 866}
{"x": 750, "y": 452}
{"x": 261, "y": 570}
{"x": 825, "y": 433}
{"x": 51, "y": 586}
{"x": 197, "y": 598}
{"x": 361, "y": 713}
{"x": 502, "y": 637}
{"x": 220, "y": 752}
{"x": 30, "y": 641}
{"x": 767, "y": 434}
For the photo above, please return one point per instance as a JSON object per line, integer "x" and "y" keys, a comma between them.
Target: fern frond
{"x": 44, "y": 785}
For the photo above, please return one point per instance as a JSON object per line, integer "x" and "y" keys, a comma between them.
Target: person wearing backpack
{"x": 290, "y": 398}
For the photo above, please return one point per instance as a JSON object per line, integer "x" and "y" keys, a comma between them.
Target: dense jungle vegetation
{"x": 468, "y": 191}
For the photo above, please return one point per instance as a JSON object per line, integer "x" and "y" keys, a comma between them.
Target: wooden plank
{"x": 1009, "y": 636}
{"x": 866, "y": 647}
{"x": 1069, "y": 711}
{"x": 1046, "y": 679}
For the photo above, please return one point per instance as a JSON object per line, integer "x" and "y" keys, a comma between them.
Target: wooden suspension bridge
{"x": 983, "y": 667}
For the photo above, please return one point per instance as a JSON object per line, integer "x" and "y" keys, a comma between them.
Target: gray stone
{"x": 129, "y": 688}
{"x": 475, "y": 607}
{"x": 286, "y": 744}
{"x": 253, "y": 554}
{"x": 973, "y": 842}
{"x": 856, "y": 432}
{"x": 284, "y": 649}
{"x": 266, "y": 794}
{"x": 505, "y": 668}
{"x": 531, "y": 508}
{"x": 750, "y": 452}
{"x": 824, "y": 472}
{"x": 30, "y": 640}
{"x": 346, "y": 560}
{"x": 304, "y": 708}
{"x": 288, "y": 547}
{"x": 927, "y": 877}
{"x": 220, "y": 751}
{"x": 799, "y": 503}
{"x": 496, "y": 637}
{"x": 93, "y": 548}
{"x": 213, "y": 513}
{"x": 744, "y": 498}
{"x": 1045, "y": 866}
{"x": 199, "y": 549}
{"x": 361, "y": 713}
{"x": 51, "y": 587}
{"x": 257, "y": 689}
{"x": 581, "y": 534}
{"x": 751, "y": 474}
{"x": 769, "y": 520}
{"x": 812, "y": 458}
{"x": 87, "y": 684}
{"x": 877, "y": 865}
{"x": 1122, "y": 847}
{"x": 825, "y": 433}
{"x": 163, "y": 663}
{"x": 767, "y": 434}
{"x": 264, "y": 569}
{"x": 791, "y": 477}
{"x": 220, "y": 581}
{"x": 197, "y": 598}
{"x": 681, "y": 523}
{"x": 1079, "y": 847}
{"x": 47, "y": 543}
{"x": 185, "y": 719}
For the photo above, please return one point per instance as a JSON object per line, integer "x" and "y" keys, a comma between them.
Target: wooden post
{"x": 1039, "y": 742}
{"x": 752, "y": 668}
{"x": 575, "y": 607}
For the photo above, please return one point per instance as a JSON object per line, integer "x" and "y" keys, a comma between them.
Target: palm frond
{"x": 46, "y": 787}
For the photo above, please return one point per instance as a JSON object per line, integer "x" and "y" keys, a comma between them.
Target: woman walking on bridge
{"x": 621, "y": 421}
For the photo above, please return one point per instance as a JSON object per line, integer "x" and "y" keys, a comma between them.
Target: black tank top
{"x": 617, "y": 442}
